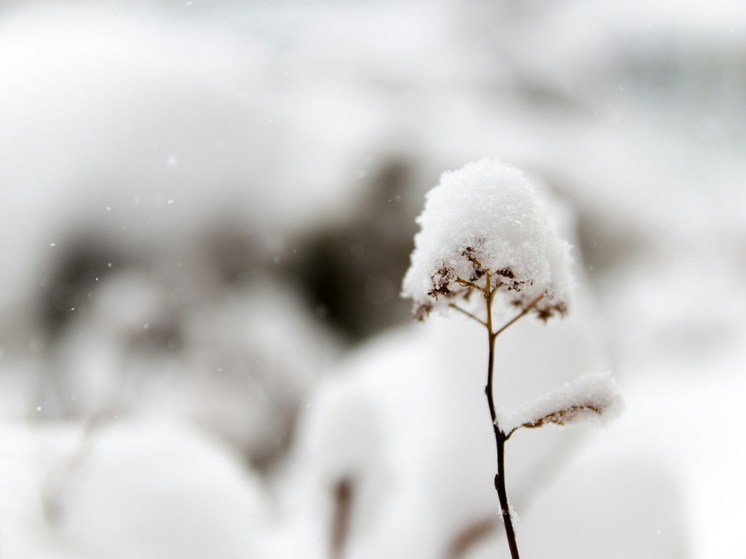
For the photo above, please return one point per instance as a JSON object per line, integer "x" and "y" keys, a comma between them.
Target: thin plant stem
{"x": 469, "y": 284}
{"x": 502, "y": 494}
{"x": 500, "y": 436}
{"x": 488, "y": 292}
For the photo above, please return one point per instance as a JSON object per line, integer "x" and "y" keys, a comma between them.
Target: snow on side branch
{"x": 591, "y": 396}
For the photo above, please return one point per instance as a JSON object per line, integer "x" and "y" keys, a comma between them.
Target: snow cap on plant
{"x": 482, "y": 221}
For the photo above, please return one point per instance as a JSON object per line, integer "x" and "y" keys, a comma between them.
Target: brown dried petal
{"x": 421, "y": 312}
{"x": 505, "y": 272}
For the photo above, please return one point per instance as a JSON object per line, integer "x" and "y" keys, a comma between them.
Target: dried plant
{"x": 487, "y": 239}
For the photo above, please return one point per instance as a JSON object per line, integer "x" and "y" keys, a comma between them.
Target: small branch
{"x": 469, "y": 284}
{"x": 467, "y": 313}
{"x": 520, "y": 315}
{"x": 477, "y": 264}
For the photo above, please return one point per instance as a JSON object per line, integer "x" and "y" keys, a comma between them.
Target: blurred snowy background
{"x": 206, "y": 209}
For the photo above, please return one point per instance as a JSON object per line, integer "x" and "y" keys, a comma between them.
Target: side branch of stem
{"x": 467, "y": 313}
{"x": 527, "y": 309}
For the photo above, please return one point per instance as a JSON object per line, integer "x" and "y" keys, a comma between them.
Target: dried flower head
{"x": 486, "y": 223}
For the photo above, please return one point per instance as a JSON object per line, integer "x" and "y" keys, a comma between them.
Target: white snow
{"x": 149, "y": 126}
{"x": 591, "y": 396}
{"x": 487, "y": 212}
{"x": 405, "y": 417}
{"x": 148, "y": 488}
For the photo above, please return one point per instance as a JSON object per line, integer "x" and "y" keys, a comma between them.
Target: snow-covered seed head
{"x": 486, "y": 223}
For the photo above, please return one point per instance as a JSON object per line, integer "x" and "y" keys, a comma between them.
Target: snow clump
{"x": 591, "y": 396}
{"x": 486, "y": 223}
